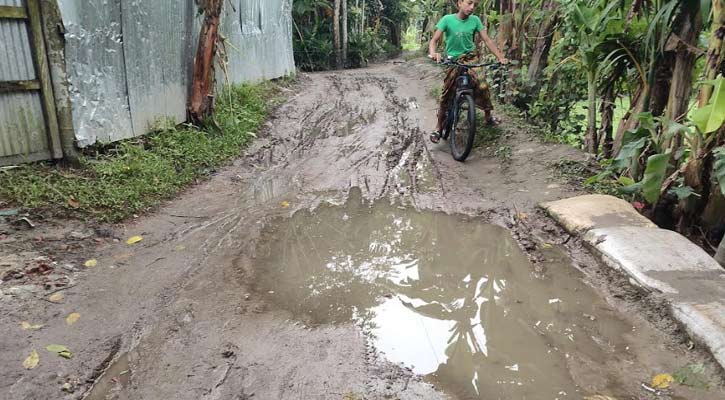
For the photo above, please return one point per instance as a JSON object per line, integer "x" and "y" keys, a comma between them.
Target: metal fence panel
{"x": 12, "y": 3}
{"x": 260, "y": 34}
{"x": 22, "y": 123}
{"x": 129, "y": 62}
{"x": 96, "y": 70}
{"x": 158, "y": 48}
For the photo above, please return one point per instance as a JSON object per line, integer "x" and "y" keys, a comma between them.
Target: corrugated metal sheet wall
{"x": 22, "y": 125}
{"x": 129, "y": 61}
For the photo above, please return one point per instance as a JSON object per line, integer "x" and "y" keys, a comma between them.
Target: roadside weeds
{"x": 116, "y": 181}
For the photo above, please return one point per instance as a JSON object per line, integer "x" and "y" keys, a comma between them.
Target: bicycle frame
{"x": 463, "y": 81}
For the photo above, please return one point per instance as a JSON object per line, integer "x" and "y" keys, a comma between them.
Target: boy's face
{"x": 467, "y": 6}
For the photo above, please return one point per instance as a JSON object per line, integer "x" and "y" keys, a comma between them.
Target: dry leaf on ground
{"x": 73, "y": 203}
{"x": 72, "y": 318}
{"x": 91, "y": 263}
{"x": 662, "y": 381}
{"x": 134, "y": 239}
{"x": 30, "y": 327}
{"x": 32, "y": 360}
{"x": 56, "y": 298}
{"x": 284, "y": 204}
{"x": 60, "y": 350}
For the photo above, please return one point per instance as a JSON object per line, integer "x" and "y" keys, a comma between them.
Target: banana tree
{"x": 596, "y": 21}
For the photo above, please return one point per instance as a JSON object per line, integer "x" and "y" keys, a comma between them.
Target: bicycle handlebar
{"x": 455, "y": 63}
{"x": 450, "y": 61}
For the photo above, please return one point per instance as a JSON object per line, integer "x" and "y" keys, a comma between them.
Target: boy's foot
{"x": 492, "y": 121}
{"x": 435, "y": 137}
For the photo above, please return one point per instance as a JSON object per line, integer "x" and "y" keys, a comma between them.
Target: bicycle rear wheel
{"x": 463, "y": 129}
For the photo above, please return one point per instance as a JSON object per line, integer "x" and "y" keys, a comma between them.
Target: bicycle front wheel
{"x": 463, "y": 131}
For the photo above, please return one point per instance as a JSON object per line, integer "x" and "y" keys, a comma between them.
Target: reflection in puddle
{"x": 453, "y": 299}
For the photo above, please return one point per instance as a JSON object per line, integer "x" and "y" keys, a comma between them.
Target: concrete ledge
{"x": 657, "y": 259}
{"x": 583, "y": 213}
{"x": 646, "y": 252}
{"x": 706, "y": 323}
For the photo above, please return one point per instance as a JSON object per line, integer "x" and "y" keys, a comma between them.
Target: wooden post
{"x": 55, "y": 46}
{"x": 43, "y": 74}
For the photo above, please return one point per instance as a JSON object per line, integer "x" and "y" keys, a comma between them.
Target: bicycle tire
{"x": 462, "y": 137}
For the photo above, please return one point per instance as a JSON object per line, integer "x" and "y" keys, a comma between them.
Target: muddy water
{"x": 452, "y": 298}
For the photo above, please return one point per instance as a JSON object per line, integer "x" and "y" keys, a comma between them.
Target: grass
{"x": 577, "y": 172}
{"x": 117, "y": 181}
{"x": 486, "y": 135}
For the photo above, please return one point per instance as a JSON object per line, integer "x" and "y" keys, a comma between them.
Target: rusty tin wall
{"x": 22, "y": 125}
{"x": 129, "y": 61}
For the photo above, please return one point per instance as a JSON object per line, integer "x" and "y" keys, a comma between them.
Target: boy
{"x": 464, "y": 32}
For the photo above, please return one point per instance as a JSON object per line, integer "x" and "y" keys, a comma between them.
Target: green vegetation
{"x": 638, "y": 84}
{"x": 117, "y": 181}
{"x": 347, "y": 33}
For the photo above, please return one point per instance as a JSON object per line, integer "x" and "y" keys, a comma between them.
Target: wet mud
{"x": 434, "y": 280}
{"x": 452, "y": 298}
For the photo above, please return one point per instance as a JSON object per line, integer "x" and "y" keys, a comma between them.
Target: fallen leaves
{"x": 60, "y": 350}
{"x": 73, "y": 203}
{"x": 692, "y": 375}
{"x": 30, "y": 327}
{"x": 72, "y": 318}
{"x": 284, "y": 204}
{"x": 32, "y": 360}
{"x": 90, "y": 263}
{"x": 56, "y": 298}
{"x": 662, "y": 381}
{"x": 134, "y": 239}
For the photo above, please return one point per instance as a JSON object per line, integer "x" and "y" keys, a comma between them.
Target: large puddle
{"x": 453, "y": 298}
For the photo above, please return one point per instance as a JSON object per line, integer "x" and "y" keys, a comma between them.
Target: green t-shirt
{"x": 459, "y": 33}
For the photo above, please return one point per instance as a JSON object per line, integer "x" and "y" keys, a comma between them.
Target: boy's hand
{"x": 436, "y": 56}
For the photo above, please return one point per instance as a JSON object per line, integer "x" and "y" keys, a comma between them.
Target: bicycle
{"x": 460, "y": 123}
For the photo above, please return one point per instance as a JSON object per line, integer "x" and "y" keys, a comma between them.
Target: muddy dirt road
{"x": 345, "y": 257}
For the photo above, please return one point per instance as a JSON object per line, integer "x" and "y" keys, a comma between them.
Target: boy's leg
{"x": 482, "y": 96}
{"x": 446, "y": 97}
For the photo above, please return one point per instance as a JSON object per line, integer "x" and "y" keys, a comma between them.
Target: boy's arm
{"x": 482, "y": 35}
{"x": 433, "y": 46}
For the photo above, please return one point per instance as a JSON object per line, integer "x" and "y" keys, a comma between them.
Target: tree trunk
{"x": 630, "y": 119}
{"x": 201, "y": 100}
{"x": 591, "y": 139}
{"x": 697, "y": 175}
{"x": 633, "y": 11}
{"x": 715, "y": 52}
{"x": 681, "y": 87}
{"x": 660, "y": 90}
{"x": 394, "y": 35}
{"x": 605, "y": 131}
{"x": 336, "y": 34}
{"x": 344, "y": 33}
{"x": 505, "y": 29}
{"x": 540, "y": 56}
{"x": 720, "y": 255}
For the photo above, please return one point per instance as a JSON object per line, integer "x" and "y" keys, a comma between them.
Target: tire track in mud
{"x": 360, "y": 127}
{"x": 344, "y": 131}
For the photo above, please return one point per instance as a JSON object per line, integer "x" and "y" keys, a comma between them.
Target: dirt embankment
{"x": 181, "y": 310}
